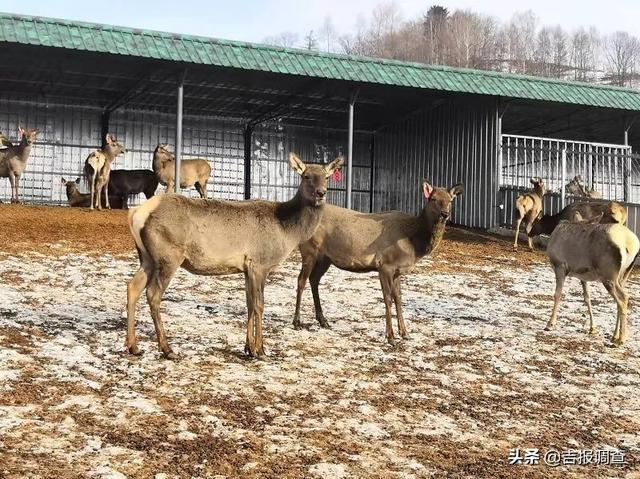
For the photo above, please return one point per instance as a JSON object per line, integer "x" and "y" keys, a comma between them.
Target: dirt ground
{"x": 477, "y": 377}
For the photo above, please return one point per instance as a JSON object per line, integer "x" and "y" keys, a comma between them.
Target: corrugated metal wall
{"x": 455, "y": 142}
{"x": 69, "y": 133}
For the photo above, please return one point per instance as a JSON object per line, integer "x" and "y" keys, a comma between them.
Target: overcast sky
{"x": 253, "y": 20}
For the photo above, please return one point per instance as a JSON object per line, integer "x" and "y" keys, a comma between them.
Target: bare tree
{"x": 560, "y": 52}
{"x": 284, "y": 39}
{"x": 621, "y": 52}
{"x": 327, "y": 34}
{"x": 435, "y": 32}
{"x": 310, "y": 41}
{"x": 544, "y": 52}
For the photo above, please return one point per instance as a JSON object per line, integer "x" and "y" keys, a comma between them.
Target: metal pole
{"x": 563, "y": 178}
{"x": 350, "y": 155}
{"x": 106, "y": 114}
{"x": 626, "y": 172}
{"x": 179, "y": 134}
{"x": 248, "y": 133}
{"x": 372, "y": 172}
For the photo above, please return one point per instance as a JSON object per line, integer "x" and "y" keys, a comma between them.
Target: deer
{"x": 214, "y": 237}
{"x": 577, "y": 187}
{"x": 13, "y": 159}
{"x": 604, "y": 252}
{"x": 124, "y": 183}
{"x": 194, "y": 172}
{"x": 4, "y": 141}
{"x": 97, "y": 169}
{"x": 611, "y": 212}
{"x": 76, "y": 199}
{"x": 390, "y": 243}
{"x": 528, "y": 207}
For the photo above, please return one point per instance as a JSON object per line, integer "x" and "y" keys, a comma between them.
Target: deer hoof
{"x": 324, "y": 324}
{"x": 134, "y": 350}
{"x": 297, "y": 325}
{"x": 593, "y": 331}
{"x": 169, "y": 354}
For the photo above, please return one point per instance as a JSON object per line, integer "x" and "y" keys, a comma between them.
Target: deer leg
{"x": 201, "y": 189}
{"x": 156, "y": 287}
{"x": 134, "y": 291}
{"x": 17, "y": 188}
{"x": 622, "y": 301}
{"x": 397, "y": 299}
{"x": 305, "y": 271}
{"x": 518, "y": 221}
{"x": 529, "y": 240}
{"x": 106, "y": 193}
{"x": 170, "y": 187}
{"x": 587, "y": 300}
{"x": 259, "y": 312}
{"x": 317, "y": 273}
{"x": 12, "y": 181}
{"x": 93, "y": 188}
{"x": 251, "y": 289}
{"x": 560, "y": 277}
{"x": 386, "y": 282}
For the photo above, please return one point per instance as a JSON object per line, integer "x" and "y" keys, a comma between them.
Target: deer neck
{"x": 299, "y": 217}
{"x": 160, "y": 161}
{"x": 430, "y": 232}
{"x": 23, "y": 150}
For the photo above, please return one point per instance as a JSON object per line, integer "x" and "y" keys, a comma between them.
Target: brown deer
{"x": 75, "y": 199}
{"x": 594, "y": 252}
{"x": 390, "y": 243}
{"x": 529, "y": 206}
{"x": 13, "y": 160}
{"x": 4, "y": 141}
{"x": 577, "y": 187}
{"x": 611, "y": 212}
{"x": 192, "y": 172}
{"x": 97, "y": 169}
{"x": 213, "y": 237}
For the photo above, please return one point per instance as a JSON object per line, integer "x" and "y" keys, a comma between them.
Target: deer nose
{"x": 321, "y": 193}
{"x": 444, "y": 214}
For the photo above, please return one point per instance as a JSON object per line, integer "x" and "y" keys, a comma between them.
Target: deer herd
{"x": 588, "y": 238}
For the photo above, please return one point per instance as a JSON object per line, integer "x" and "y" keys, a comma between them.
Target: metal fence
{"x": 69, "y": 133}
{"x": 609, "y": 169}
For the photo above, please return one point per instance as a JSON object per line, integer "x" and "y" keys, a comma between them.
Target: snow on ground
{"x": 477, "y": 376}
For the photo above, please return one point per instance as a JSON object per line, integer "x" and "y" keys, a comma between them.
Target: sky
{"x": 253, "y": 20}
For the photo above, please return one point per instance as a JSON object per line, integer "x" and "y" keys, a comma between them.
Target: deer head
{"x": 113, "y": 146}
{"x": 28, "y": 136}
{"x": 72, "y": 186}
{"x": 313, "y": 187}
{"x": 439, "y": 199}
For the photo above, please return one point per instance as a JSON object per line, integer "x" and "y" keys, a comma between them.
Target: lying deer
{"x": 192, "y": 172}
{"x": 577, "y": 187}
{"x": 528, "y": 207}
{"x": 13, "y": 160}
{"x": 76, "y": 199}
{"x": 390, "y": 243}
{"x": 594, "y": 252}
{"x": 97, "y": 169}
{"x": 214, "y": 237}
{"x": 610, "y": 212}
{"x": 124, "y": 183}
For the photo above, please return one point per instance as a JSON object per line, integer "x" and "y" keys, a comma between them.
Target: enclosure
{"x": 245, "y": 106}
{"x": 477, "y": 376}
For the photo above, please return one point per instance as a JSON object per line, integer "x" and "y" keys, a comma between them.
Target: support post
{"x": 106, "y": 115}
{"x": 372, "y": 173}
{"x": 248, "y": 142}
{"x": 352, "y": 102}
{"x": 563, "y": 178}
{"x": 626, "y": 170}
{"x": 179, "y": 133}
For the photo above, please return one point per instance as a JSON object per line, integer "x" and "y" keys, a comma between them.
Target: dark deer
{"x": 213, "y": 237}
{"x": 124, "y": 183}
{"x": 390, "y": 243}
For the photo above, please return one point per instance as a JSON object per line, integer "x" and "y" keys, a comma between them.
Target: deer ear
{"x": 427, "y": 189}
{"x": 108, "y": 138}
{"x": 64, "y": 182}
{"x": 20, "y": 131}
{"x": 334, "y": 166}
{"x": 456, "y": 190}
{"x": 78, "y": 180}
{"x": 296, "y": 163}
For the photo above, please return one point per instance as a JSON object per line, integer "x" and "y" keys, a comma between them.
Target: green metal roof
{"x": 247, "y": 56}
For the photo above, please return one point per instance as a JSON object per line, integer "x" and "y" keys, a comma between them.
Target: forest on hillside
{"x": 464, "y": 38}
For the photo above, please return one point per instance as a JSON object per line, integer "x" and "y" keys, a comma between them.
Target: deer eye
{"x": 306, "y": 177}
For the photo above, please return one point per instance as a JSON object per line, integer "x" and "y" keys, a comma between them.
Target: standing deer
{"x": 97, "y": 169}
{"x": 192, "y": 172}
{"x": 594, "y": 252}
{"x": 13, "y": 160}
{"x": 390, "y": 243}
{"x": 529, "y": 206}
{"x": 124, "y": 183}
{"x": 213, "y": 237}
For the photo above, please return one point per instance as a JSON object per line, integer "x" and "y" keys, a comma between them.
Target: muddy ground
{"x": 477, "y": 377}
